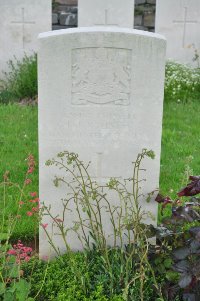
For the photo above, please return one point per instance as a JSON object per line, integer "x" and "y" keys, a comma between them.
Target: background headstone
{"x": 20, "y": 23}
{"x": 144, "y": 18}
{"x": 106, "y": 13}
{"x": 97, "y": 107}
{"x": 68, "y": 19}
{"x": 179, "y": 22}
{"x": 54, "y": 18}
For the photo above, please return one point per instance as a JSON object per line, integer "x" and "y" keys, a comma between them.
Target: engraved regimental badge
{"x": 101, "y": 76}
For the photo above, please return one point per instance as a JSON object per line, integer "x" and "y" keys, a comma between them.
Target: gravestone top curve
{"x": 99, "y": 29}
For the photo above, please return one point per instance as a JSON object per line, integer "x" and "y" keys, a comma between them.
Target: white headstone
{"x": 179, "y": 22}
{"x": 106, "y": 13}
{"x": 101, "y": 96}
{"x": 20, "y": 23}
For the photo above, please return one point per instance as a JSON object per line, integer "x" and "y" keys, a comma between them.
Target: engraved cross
{"x": 185, "y": 21}
{"x": 106, "y": 22}
{"x": 99, "y": 175}
{"x": 23, "y": 22}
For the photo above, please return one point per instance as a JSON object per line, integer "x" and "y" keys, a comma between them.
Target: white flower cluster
{"x": 182, "y": 83}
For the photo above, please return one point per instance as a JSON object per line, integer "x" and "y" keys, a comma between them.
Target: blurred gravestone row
{"x": 65, "y": 14}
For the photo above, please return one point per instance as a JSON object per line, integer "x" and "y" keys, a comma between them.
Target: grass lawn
{"x": 18, "y": 138}
{"x": 180, "y": 140}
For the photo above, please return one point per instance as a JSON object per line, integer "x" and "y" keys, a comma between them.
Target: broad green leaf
{"x": 172, "y": 276}
{"x": 4, "y": 236}
{"x": 5, "y": 247}
{"x": 161, "y": 269}
{"x": 12, "y": 259}
{"x": 168, "y": 263}
{"x": 14, "y": 272}
{"x": 12, "y": 289}
{"x": 22, "y": 289}
{"x": 2, "y": 288}
{"x": 158, "y": 261}
{"x": 9, "y": 296}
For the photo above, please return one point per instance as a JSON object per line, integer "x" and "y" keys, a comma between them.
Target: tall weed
{"x": 20, "y": 82}
{"x": 124, "y": 259}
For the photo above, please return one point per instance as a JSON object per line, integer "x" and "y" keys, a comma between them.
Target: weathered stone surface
{"x": 20, "y": 23}
{"x": 106, "y": 13}
{"x": 179, "y": 22}
{"x": 54, "y": 18}
{"x": 138, "y": 20}
{"x": 149, "y": 20}
{"x": 96, "y": 106}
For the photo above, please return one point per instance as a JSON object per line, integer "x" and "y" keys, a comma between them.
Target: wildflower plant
{"x": 129, "y": 245}
{"x": 182, "y": 83}
{"x": 21, "y": 252}
{"x": 12, "y": 284}
{"x": 196, "y": 58}
{"x": 8, "y": 222}
{"x": 20, "y": 82}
